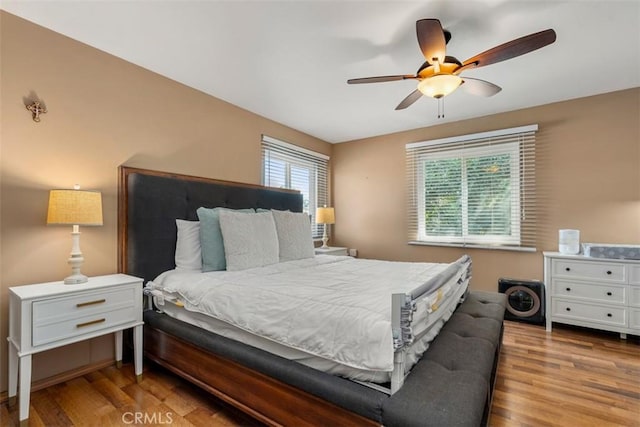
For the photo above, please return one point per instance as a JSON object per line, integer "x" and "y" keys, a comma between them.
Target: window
{"x": 288, "y": 166}
{"x": 473, "y": 190}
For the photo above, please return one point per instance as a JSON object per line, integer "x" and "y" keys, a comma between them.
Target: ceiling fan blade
{"x": 479, "y": 87}
{"x": 410, "y": 99}
{"x": 380, "y": 79}
{"x": 511, "y": 49}
{"x": 431, "y": 38}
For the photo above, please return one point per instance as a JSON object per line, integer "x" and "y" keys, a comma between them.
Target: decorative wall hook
{"x": 36, "y": 109}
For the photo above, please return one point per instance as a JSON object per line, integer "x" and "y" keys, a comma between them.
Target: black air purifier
{"x": 525, "y": 300}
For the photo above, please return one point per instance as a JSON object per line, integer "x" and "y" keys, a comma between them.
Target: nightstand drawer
{"x": 611, "y": 294}
{"x": 79, "y": 325}
{"x": 610, "y": 272}
{"x": 82, "y": 304}
{"x": 55, "y": 319}
{"x": 590, "y": 313}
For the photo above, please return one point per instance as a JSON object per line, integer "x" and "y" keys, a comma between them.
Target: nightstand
{"x": 50, "y": 315}
{"x": 331, "y": 250}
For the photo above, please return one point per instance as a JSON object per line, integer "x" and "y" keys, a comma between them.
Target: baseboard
{"x": 62, "y": 377}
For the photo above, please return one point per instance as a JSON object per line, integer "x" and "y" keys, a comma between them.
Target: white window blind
{"x": 473, "y": 190}
{"x": 286, "y": 165}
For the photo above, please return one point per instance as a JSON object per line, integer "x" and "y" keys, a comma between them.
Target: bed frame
{"x": 148, "y": 204}
{"x": 164, "y": 197}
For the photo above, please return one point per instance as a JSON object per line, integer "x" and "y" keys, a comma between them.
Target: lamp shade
{"x": 325, "y": 216}
{"x": 75, "y": 207}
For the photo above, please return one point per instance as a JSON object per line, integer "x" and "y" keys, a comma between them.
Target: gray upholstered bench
{"x": 452, "y": 384}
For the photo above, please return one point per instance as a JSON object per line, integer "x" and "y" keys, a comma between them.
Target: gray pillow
{"x": 211, "y": 243}
{"x": 294, "y": 235}
{"x": 249, "y": 240}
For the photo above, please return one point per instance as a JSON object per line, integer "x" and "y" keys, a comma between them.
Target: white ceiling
{"x": 289, "y": 60}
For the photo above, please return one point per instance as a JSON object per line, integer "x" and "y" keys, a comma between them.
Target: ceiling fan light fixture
{"x": 440, "y": 85}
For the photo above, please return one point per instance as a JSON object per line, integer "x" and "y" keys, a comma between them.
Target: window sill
{"x": 472, "y": 246}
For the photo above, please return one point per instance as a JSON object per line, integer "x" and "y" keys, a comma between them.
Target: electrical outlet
{"x": 353, "y": 252}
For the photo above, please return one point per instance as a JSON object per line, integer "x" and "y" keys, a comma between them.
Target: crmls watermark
{"x": 155, "y": 418}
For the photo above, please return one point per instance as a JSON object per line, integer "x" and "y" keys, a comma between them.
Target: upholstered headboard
{"x": 149, "y": 202}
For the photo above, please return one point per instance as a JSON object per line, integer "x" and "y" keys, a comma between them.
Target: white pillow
{"x": 294, "y": 235}
{"x": 188, "y": 250}
{"x": 249, "y": 240}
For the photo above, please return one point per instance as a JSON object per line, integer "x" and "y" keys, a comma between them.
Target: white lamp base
{"x": 75, "y": 260}
{"x": 75, "y": 279}
{"x": 325, "y": 238}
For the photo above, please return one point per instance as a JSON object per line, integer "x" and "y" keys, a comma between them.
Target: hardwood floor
{"x": 572, "y": 377}
{"x": 111, "y": 397}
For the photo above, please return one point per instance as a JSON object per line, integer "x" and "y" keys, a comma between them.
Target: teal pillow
{"x": 213, "y": 258}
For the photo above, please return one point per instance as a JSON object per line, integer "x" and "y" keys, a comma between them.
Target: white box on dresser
{"x": 593, "y": 292}
{"x": 49, "y": 315}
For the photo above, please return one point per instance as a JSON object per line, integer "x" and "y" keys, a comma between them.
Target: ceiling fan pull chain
{"x": 440, "y": 107}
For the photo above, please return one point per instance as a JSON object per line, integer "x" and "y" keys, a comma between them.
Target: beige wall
{"x": 588, "y": 178}
{"x": 102, "y": 112}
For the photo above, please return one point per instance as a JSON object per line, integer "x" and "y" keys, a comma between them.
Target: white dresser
{"x": 593, "y": 292}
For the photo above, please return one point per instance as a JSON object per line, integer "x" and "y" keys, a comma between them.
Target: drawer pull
{"x": 609, "y": 272}
{"x": 609, "y": 293}
{"x": 568, "y": 308}
{"x": 568, "y": 289}
{"x": 93, "y": 322}
{"x": 568, "y": 269}
{"x": 84, "y": 304}
{"x": 609, "y": 315}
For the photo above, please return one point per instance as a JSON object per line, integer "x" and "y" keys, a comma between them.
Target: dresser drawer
{"x": 78, "y": 305}
{"x": 568, "y": 309}
{"x": 634, "y": 318}
{"x": 634, "y": 296}
{"x": 610, "y": 294}
{"x": 597, "y": 271}
{"x": 634, "y": 274}
{"x": 77, "y": 326}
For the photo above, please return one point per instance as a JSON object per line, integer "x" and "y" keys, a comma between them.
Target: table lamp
{"x": 75, "y": 207}
{"x": 325, "y": 216}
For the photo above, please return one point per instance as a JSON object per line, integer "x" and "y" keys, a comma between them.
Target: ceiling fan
{"x": 440, "y": 74}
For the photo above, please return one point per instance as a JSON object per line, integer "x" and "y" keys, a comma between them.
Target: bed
{"x": 261, "y": 381}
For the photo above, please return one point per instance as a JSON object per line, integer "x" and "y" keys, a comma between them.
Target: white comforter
{"x": 334, "y": 307}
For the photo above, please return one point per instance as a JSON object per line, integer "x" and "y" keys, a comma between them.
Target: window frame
{"x": 315, "y": 163}
{"x": 513, "y": 150}
{"x": 524, "y": 206}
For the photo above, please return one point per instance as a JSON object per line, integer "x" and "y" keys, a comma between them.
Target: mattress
{"x": 330, "y": 313}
